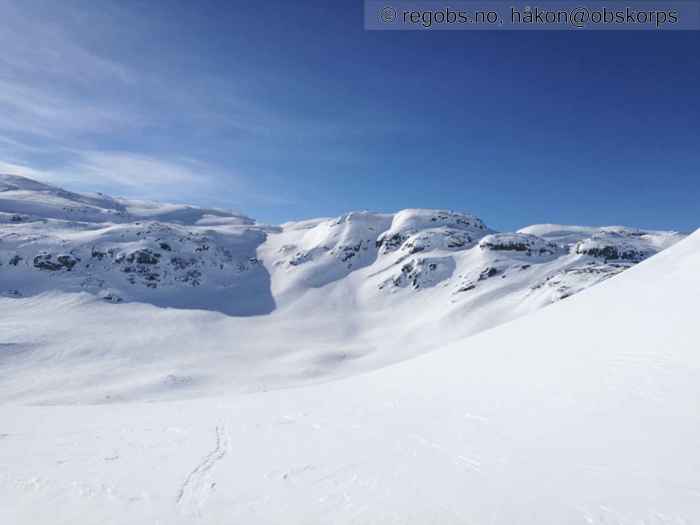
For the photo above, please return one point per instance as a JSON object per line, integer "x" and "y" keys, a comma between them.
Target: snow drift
{"x": 586, "y": 412}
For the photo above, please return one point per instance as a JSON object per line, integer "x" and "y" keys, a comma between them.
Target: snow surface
{"x": 166, "y": 363}
{"x": 585, "y": 412}
{"x": 106, "y": 299}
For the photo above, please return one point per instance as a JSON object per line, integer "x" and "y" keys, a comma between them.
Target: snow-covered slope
{"x": 104, "y": 298}
{"x": 21, "y": 196}
{"x": 116, "y": 249}
{"x": 586, "y": 412}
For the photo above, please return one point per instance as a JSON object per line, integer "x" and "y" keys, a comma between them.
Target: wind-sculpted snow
{"x": 322, "y": 298}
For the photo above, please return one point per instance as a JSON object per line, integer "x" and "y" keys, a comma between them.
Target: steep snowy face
{"x": 310, "y": 255}
{"x": 411, "y": 247}
{"x": 422, "y": 247}
{"x": 414, "y": 231}
{"x": 317, "y": 253}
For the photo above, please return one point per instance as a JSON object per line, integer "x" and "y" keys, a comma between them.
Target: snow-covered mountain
{"x": 583, "y": 413}
{"x": 323, "y": 297}
{"x": 189, "y": 257}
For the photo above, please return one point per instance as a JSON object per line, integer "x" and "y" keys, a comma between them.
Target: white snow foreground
{"x": 105, "y": 299}
{"x": 586, "y": 412}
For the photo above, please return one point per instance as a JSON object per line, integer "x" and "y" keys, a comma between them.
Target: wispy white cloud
{"x": 79, "y": 107}
{"x": 59, "y": 100}
{"x": 37, "y": 111}
{"x": 10, "y": 168}
{"x": 35, "y": 42}
{"x": 47, "y": 78}
{"x": 139, "y": 176}
{"x": 136, "y": 171}
{"x": 120, "y": 169}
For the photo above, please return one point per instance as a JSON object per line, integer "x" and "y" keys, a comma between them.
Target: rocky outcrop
{"x": 610, "y": 252}
{"x": 566, "y": 283}
{"x": 415, "y": 231}
{"x": 529, "y": 245}
{"x": 422, "y": 272}
{"x": 49, "y": 262}
{"x": 125, "y": 251}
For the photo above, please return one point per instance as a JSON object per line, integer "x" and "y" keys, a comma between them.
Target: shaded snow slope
{"x": 586, "y": 412}
{"x": 105, "y": 299}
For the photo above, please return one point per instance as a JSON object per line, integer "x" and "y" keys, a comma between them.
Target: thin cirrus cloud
{"x": 49, "y": 83}
{"x": 80, "y": 107}
{"x": 66, "y": 113}
{"x": 133, "y": 171}
{"x": 128, "y": 173}
{"x": 36, "y": 42}
{"x": 34, "y": 111}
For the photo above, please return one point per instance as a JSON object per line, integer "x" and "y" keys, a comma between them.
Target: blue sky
{"x": 287, "y": 110}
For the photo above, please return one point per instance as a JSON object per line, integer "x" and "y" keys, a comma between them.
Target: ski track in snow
{"x": 198, "y": 484}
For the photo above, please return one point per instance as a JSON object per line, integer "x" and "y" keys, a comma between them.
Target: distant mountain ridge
{"x": 192, "y": 257}
{"x": 208, "y": 299}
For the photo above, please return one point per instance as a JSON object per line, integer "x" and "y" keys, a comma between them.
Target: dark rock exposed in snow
{"x": 47, "y": 261}
{"x": 189, "y": 257}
